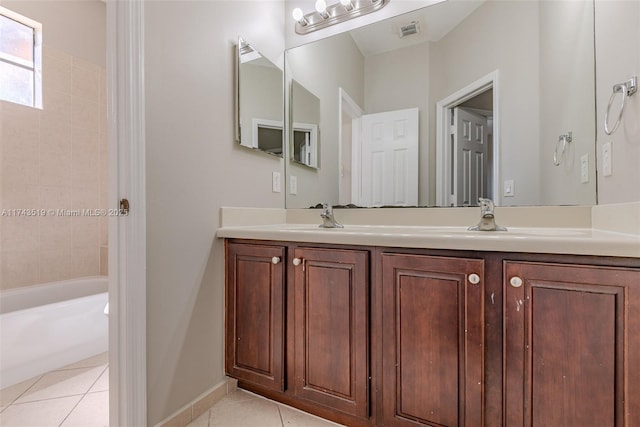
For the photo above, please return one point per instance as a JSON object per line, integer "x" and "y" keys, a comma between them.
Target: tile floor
{"x": 244, "y": 409}
{"x": 74, "y": 396}
{"x": 78, "y": 396}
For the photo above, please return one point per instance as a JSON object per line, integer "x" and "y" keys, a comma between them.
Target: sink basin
{"x": 445, "y": 231}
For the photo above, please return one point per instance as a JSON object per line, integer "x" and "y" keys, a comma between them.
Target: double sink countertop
{"x": 605, "y": 230}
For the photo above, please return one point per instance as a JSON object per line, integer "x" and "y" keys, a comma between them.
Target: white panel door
{"x": 471, "y": 156}
{"x": 390, "y": 158}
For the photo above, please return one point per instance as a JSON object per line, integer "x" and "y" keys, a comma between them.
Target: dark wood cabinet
{"x": 432, "y": 340}
{"x": 255, "y": 318}
{"x": 330, "y": 346}
{"x": 572, "y": 345}
{"x": 370, "y": 336}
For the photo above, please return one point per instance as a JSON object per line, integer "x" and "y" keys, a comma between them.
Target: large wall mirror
{"x": 455, "y": 101}
{"x": 260, "y": 108}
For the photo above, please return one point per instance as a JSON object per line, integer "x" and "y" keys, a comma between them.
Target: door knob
{"x": 275, "y": 260}
{"x": 474, "y": 279}
{"x": 515, "y": 281}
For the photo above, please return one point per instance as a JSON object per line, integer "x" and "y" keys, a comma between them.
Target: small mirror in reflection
{"x": 305, "y": 138}
{"x": 260, "y": 103}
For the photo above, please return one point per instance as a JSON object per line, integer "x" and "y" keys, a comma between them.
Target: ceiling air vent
{"x": 411, "y": 28}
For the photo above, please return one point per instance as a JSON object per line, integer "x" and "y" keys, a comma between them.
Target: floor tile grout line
{"x": 280, "y": 413}
{"x": 71, "y": 411}
{"x": 84, "y": 395}
{"x": 48, "y": 398}
{"x": 26, "y": 390}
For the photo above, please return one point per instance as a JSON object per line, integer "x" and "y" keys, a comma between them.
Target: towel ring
{"x": 627, "y": 89}
{"x": 564, "y": 139}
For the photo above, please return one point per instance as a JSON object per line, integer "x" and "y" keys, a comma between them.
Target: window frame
{"x": 36, "y": 66}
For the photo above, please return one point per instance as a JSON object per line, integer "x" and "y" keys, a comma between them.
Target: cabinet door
{"x": 255, "y": 314}
{"x": 432, "y": 340}
{"x": 331, "y": 328}
{"x": 571, "y": 345}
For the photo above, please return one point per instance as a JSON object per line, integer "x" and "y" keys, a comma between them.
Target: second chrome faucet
{"x": 328, "y": 221}
{"x": 487, "y": 218}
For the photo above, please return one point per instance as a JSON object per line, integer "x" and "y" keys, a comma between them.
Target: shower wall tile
{"x": 85, "y": 114}
{"x": 84, "y": 232}
{"x": 85, "y": 164}
{"x": 20, "y": 268}
{"x": 59, "y": 103}
{"x": 54, "y": 159}
{"x": 85, "y": 262}
{"x": 20, "y": 233}
{"x": 55, "y": 265}
{"x": 85, "y": 80}
{"x": 84, "y": 198}
{"x": 56, "y": 67}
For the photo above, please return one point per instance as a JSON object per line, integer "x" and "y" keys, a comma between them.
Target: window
{"x": 20, "y": 59}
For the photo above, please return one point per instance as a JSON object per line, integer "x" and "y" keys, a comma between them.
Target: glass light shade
{"x": 297, "y": 14}
{"x": 321, "y": 6}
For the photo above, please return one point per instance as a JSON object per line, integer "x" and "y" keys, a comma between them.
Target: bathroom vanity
{"x": 443, "y": 332}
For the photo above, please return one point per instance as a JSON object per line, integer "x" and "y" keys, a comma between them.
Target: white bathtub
{"x": 45, "y": 327}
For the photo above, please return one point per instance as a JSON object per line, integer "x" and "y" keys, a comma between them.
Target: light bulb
{"x": 347, "y": 4}
{"x": 297, "y": 14}
{"x": 321, "y": 6}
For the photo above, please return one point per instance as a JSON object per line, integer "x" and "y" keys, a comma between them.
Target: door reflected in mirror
{"x": 260, "y": 101}
{"x": 495, "y": 83}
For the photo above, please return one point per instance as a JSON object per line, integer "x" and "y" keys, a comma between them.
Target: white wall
{"x": 503, "y": 35}
{"x": 567, "y": 94}
{"x": 193, "y": 168}
{"x": 310, "y": 69}
{"x": 618, "y": 59}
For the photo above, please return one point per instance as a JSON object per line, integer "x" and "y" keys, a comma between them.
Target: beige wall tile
{"x": 56, "y": 71}
{"x": 55, "y": 233}
{"x": 57, "y": 102}
{"x": 20, "y": 233}
{"x": 19, "y": 268}
{"x": 85, "y": 164}
{"x": 84, "y": 198}
{"x": 85, "y": 262}
{"x": 55, "y": 265}
{"x": 85, "y": 81}
{"x": 84, "y": 232}
{"x": 85, "y": 114}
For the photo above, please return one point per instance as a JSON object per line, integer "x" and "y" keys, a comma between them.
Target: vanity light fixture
{"x": 325, "y": 16}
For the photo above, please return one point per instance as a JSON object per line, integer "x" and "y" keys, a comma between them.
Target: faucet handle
{"x": 486, "y": 203}
{"x": 327, "y": 209}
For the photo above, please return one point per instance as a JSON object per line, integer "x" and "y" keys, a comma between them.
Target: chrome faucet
{"x": 328, "y": 221}
{"x": 487, "y": 217}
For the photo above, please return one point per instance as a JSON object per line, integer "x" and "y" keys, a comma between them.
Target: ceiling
{"x": 434, "y": 21}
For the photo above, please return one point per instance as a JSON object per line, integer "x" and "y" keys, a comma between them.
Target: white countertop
{"x": 577, "y": 241}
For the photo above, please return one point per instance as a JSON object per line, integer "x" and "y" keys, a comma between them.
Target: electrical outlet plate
{"x": 276, "y": 182}
{"x": 293, "y": 185}
{"x": 584, "y": 168}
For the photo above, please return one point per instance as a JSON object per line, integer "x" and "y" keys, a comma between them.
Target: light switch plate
{"x": 584, "y": 168}
{"x": 509, "y": 189}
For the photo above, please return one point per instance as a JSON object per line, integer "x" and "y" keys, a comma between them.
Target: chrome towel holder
{"x": 563, "y": 140}
{"x": 627, "y": 89}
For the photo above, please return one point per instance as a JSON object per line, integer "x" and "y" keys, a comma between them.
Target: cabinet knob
{"x": 515, "y": 281}
{"x": 474, "y": 279}
{"x": 297, "y": 261}
{"x": 275, "y": 260}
